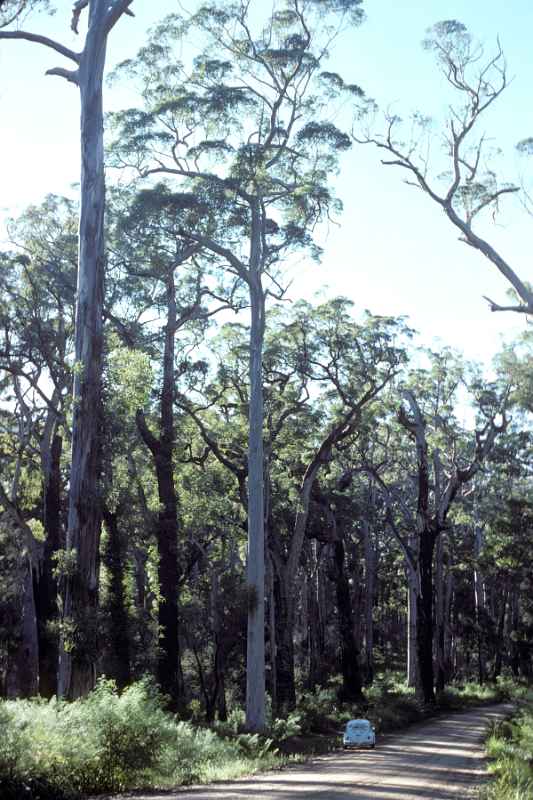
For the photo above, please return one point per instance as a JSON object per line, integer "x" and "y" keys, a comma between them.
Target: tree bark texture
{"x": 284, "y": 622}
{"x": 255, "y": 653}
{"x": 46, "y": 589}
{"x": 22, "y": 674}
{"x": 440, "y": 619}
{"x": 479, "y": 603}
{"x": 169, "y": 673}
{"x": 351, "y": 690}
{"x": 118, "y": 661}
{"x": 424, "y": 613}
{"x": 370, "y": 578}
{"x": 411, "y": 631}
{"x": 78, "y": 651}
{"x": 499, "y": 649}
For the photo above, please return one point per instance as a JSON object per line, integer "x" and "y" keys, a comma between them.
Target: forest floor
{"x": 442, "y": 759}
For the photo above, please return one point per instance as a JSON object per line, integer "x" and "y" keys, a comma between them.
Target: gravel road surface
{"x": 442, "y": 759}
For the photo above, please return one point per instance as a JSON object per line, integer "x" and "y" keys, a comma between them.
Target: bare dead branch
{"x": 71, "y": 75}
{"x": 76, "y": 13}
{"x": 118, "y": 8}
{"x": 44, "y": 40}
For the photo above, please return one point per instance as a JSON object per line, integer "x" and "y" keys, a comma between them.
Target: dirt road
{"x": 439, "y": 760}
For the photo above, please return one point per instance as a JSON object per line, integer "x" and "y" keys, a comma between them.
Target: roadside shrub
{"x": 319, "y": 710}
{"x": 105, "y": 742}
{"x": 281, "y": 729}
{"x": 510, "y": 745}
{"x": 111, "y": 741}
{"x": 233, "y": 725}
{"x": 393, "y": 704}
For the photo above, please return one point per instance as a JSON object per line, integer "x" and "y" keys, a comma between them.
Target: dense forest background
{"x": 209, "y": 481}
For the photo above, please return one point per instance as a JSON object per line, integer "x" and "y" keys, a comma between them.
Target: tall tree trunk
{"x": 219, "y": 690}
{"x": 119, "y": 640}
{"x": 141, "y": 558}
{"x": 315, "y": 628}
{"x": 22, "y": 674}
{"x": 448, "y": 634}
{"x": 440, "y": 621}
{"x": 79, "y": 650}
{"x": 255, "y": 655}
{"x": 479, "y": 604}
{"x": 272, "y": 636}
{"x": 411, "y": 631}
{"x": 499, "y": 648}
{"x": 168, "y": 667}
{"x": 424, "y": 613}
{"x": 286, "y": 689}
{"x": 514, "y": 619}
{"x": 370, "y": 578}
{"x": 169, "y": 674}
{"x": 351, "y": 689}
{"x": 46, "y": 588}
{"x": 412, "y": 627}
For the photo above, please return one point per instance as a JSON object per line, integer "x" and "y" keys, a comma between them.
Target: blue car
{"x": 359, "y": 733}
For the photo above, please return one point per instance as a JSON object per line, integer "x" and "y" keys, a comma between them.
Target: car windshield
{"x": 358, "y": 726}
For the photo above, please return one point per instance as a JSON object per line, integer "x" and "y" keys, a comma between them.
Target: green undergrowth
{"x": 110, "y": 742}
{"x": 113, "y": 741}
{"x": 510, "y": 747}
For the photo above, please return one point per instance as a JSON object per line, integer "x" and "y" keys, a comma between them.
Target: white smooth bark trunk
{"x": 77, "y": 664}
{"x": 255, "y": 660}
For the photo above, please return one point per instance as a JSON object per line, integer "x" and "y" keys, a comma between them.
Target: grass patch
{"x": 510, "y": 746}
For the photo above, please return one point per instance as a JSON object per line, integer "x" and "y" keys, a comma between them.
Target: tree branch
{"x": 152, "y": 443}
{"x": 521, "y": 309}
{"x": 118, "y": 8}
{"x": 71, "y": 75}
{"x": 44, "y": 40}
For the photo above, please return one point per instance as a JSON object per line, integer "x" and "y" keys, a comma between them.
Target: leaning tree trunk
{"x": 255, "y": 656}
{"x": 79, "y": 650}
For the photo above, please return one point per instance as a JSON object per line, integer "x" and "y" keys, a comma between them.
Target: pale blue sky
{"x": 394, "y": 252}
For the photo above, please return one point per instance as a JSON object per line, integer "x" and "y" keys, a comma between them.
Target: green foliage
{"x": 472, "y": 694}
{"x": 318, "y": 710}
{"x": 105, "y": 742}
{"x": 281, "y": 729}
{"x": 510, "y": 745}
{"x": 109, "y": 742}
